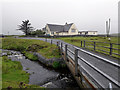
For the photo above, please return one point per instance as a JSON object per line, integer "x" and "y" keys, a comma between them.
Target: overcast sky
{"x": 86, "y": 14}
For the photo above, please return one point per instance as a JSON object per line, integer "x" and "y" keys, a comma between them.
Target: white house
{"x": 67, "y": 29}
{"x": 88, "y": 33}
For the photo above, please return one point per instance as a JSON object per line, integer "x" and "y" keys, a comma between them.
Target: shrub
{"x": 56, "y": 64}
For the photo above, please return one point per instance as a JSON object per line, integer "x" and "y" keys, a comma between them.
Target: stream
{"x": 41, "y": 75}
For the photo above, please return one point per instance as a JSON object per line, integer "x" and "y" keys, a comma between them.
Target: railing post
{"x": 110, "y": 86}
{"x": 57, "y": 43}
{"x": 110, "y": 48}
{"x": 51, "y": 41}
{"x": 81, "y": 43}
{"x": 94, "y": 45}
{"x": 66, "y": 52}
{"x": 61, "y": 47}
{"x": 76, "y": 62}
{"x": 84, "y": 43}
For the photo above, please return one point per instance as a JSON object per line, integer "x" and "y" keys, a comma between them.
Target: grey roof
{"x": 59, "y": 28}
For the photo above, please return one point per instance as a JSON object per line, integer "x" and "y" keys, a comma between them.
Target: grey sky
{"x": 86, "y": 14}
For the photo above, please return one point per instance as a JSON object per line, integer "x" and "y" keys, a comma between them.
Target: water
{"x": 41, "y": 75}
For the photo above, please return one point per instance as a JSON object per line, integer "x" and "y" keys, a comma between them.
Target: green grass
{"x": 77, "y": 42}
{"x": 28, "y": 45}
{"x": 0, "y": 73}
{"x": 31, "y": 56}
{"x": 13, "y": 75}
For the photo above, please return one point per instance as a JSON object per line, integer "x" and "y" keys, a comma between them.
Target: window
{"x": 73, "y": 30}
{"x": 52, "y": 32}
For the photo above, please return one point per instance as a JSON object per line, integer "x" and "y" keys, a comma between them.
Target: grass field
{"x": 0, "y": 73}
{"x": 13, "y": 76}
{"x": 27, "y": 46}
{"x": 99, "y": 46}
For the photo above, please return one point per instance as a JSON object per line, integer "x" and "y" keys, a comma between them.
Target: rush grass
{"x": 13, "y": 75}
{"x": 27, "y": 46}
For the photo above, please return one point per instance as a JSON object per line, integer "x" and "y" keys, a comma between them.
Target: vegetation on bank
{"x": 77, "y": 42}
{"x": 13, "y": 76}
{"x": 0, "y": 72}
{"x": 27, "y": 46}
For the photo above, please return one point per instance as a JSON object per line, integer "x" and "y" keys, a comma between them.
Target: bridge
{"x": 90, "y": 69}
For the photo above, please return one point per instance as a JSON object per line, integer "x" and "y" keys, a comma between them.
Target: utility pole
{"x": 8, "y": 33}
{"x": 108, "y": 27}
{"x": 109, "y": 24}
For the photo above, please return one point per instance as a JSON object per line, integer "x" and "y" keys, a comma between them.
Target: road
{"x": 100, "y": 69}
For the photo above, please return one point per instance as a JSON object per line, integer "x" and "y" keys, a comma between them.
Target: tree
{"x": 25, "y": 27}
{"x": 37, "y": 32}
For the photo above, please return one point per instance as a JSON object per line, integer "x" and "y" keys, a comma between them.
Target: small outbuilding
{"x": 88, "y": 33}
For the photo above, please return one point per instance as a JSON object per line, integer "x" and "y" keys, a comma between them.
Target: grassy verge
{"x": 0, "y": 73}
{"x": 27, "y": 46}
{"x": 77, "y": 42}
{"x": 13, "y": 76}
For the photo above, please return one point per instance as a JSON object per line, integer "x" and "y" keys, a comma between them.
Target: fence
{"x": 83, "y": 76}
{"x": 58, "y": 36}
{"x": 111, "y": 49}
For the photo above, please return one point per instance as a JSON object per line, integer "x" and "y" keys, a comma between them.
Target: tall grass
{"x": 13, "y": 75}
{"x": 27, "y": 45}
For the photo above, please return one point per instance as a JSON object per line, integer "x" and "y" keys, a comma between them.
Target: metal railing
{"x": 75, "y": 57}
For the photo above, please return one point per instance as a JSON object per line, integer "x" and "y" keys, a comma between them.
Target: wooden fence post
{"x": 94, "y": 45}
{"x": 84, "y": 43}
{"x": 81, "y": 43}
{"x": 66, "y": 52}
{"x": 76, "y": 62}
{"x": 51, "y": 41}
{"x": 57, "y": 43}
{"x": 61, "y": 47}
{"x": 110, "y": 48}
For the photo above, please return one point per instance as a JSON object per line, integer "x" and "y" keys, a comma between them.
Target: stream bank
{"x": 41, "y": 75}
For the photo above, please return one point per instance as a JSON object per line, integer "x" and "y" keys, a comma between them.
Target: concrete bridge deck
{"x": 90, "y": 69}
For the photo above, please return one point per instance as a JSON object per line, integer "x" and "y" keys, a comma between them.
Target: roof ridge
{"x": 55, "y": 24}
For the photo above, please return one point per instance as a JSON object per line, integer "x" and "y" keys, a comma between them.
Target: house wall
{"x": 62, "y": 33}
{"x": 88, "y": 33}
{"x": 70, "y": 30}
{"x": 92, "y": 33}
{"x": 48, "y": 32}
{"x": 83, "y": 33}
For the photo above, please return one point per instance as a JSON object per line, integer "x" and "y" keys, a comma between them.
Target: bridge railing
{"x": 80, "y": 71}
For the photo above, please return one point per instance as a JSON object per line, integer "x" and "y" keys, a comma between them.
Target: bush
{"x": 56, "y": 64}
